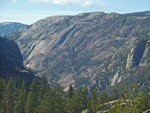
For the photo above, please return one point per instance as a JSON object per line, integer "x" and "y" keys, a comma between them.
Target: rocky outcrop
{"x": 10, "y": 55}
{"x": 11, "y": 63}
{"x": 87, "y": 48}
{"x": 116, "y": 79}
{"x": 136, "y": 54}
{"x": 145, "y": 60}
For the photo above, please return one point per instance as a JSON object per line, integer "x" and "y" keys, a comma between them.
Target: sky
{"x": 30, "y": 11}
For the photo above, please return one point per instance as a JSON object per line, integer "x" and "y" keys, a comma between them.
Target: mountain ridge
{"x": 8, "y": 27}
{"x": 88, "y": 48}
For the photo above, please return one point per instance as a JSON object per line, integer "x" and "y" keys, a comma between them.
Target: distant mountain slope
{"x": 89, "y": 48}
{"x": 11, "y": 63}
{"x": 139, "y": 75}
{"x": 9, "y": 27}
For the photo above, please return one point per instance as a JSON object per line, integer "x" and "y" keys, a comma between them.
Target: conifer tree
{"x": 59, "y": 102}
{"x": 11, "y": 95}
{"x": 20, "y": 106}
{"x": 2, "y": 96}
{"x": 30, "y": 103}
{"x": 103, "y": 98}
{"x": 114, "y": 94}
{"x": 146, "y": 99}
{"x": 70, "y": 92}
{"x": 132, "y": 102}
{"x": 78, "y": 101}
{"x": 34, "y": 96}
{"x": 52, "y": 102}
{"x": 44, "y": 86}
{"x": 93, "y": 100}
{"x": 90, "y": 110}
{"x": 85, "y": 97}
{"x": 69, "y": 99}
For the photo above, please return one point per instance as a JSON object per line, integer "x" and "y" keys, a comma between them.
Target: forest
{"x": 40, "y": 97}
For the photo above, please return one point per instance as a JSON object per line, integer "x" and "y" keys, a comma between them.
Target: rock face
{"x": 11, "y": 63}
{"x": 135, "y": 55}
{"x": 145, "y": 59}
{"x": 88, "y": 48}
{"x": 10, "y": 55}
{"x": 116, "y": 79}
{"x": 9, "y": 27}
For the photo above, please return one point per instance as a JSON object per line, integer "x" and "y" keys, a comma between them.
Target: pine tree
{"x": 115, "y": 94}
{"x": 20, "y": 106}
{"x": 103, "y": 98}
{"x": 35, "y": 87}
{"x": 2, "y": 96}
{"x": 146, "y": 98}
{"x": 69, "y": 99}
{"x": 80, "y": 100}
{"x": 70, "y": 92}
{"x": 93, "y": 100}
{"x": 11, "y": 95}
{"x": 45, "y": 106}
{"x": 76, "y": 102}
{"x": 52, "y": 102}
{"x": 132, "y": 102}
{"x": 90, "y": 110}
{"x": 44, "y": 86}
{"x": 59, "y": 102}
{"x": 75, "y": 105}
{"x": 85, "y": 97}
{"x": 30, "y": 103}
{"x": 34, "y": 96}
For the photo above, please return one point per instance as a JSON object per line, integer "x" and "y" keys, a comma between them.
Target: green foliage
{"x": 52, "y": 102}
{"x": 20, "y": 106}
{"x": 132, "y": 102}
{"x": 90, "y": 110}
{"x": 34, "y": 96}
{"x": 30, "y": 103}
{"x": 76, "y": 102}
{"x": 115, "y": 94}
{"x": 2, "y": 96}
{"x": 85, "y": 97}
{"x": 93, "y": 101}
{"x": 44, "y": 85}
{"x": 40, "y": 98}
{"x": 70, "y": 92}
{"x": 11, "y": 96}
{"x": 148, "y": 46}
{"x": 80, "y": 100}
{"x": 103, "y": 98}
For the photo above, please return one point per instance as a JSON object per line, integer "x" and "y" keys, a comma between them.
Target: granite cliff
{"x": 89, "y": 48}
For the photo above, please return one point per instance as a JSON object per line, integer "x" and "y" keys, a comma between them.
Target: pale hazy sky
{"x": 29, "y": 11}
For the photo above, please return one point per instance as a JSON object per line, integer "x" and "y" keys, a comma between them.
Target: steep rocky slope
{"x": 9, "y": 27}
{"x": 10, "y": 55}
{"x": 90, "y": 48}
{"x": 11, "y": 63}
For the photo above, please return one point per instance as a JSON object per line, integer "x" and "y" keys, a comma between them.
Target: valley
{"x": 95, "y": 49}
